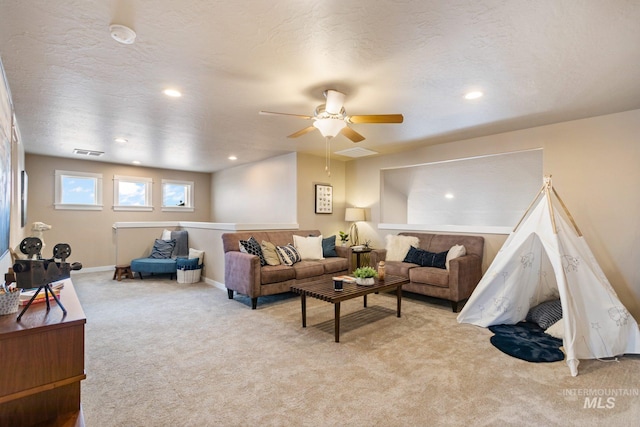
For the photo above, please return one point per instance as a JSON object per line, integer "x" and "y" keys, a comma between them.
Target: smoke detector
{"x": 122, "y": 34}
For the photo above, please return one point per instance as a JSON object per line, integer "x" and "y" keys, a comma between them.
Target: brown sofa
{"x": 243, "y": 273}
{"x": 455, "y": 284}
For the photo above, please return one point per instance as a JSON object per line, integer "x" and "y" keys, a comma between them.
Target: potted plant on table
{"x": 344, "y": 238}
{"x": 365, "y": 275}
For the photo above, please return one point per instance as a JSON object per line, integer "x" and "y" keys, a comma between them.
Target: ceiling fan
{"x": 331, "y": 119}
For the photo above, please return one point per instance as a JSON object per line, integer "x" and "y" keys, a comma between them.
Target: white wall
{"x": 594, "y": 163}
{"x": 262, "y": 192}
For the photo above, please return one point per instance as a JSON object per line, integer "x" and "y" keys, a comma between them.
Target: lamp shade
{"x": 354, "y": 214}
{"x": 329, "y": 127}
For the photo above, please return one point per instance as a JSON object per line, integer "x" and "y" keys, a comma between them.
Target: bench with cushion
{"x": 166, "y": 250}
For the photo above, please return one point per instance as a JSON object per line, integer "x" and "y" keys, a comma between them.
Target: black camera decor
{"x": 40, "y": 273}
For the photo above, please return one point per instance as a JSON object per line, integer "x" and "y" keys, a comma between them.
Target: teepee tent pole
{"x": 568, "y": 213}
{"x": 550, "y": 205}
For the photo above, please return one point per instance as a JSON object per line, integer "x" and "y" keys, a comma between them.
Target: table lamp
{"x": 354, "y": 215}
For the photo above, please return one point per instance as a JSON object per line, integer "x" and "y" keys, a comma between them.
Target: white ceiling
{"x": 538, "y": 62}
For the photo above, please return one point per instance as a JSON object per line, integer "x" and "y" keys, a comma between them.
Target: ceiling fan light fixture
{"x": 329, "y": 127}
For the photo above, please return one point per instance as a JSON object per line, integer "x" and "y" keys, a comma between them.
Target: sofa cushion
{"x": 252, "y": 247}
{"x": 288, "y": 254}
{"x": 276, "y": 273}
{"x": 398, "y": 268}
{"x": 455, "y": 252}
{"x": 398, "y": 246}
{"x": 335, "y": 264}
{"x": 162, "y": 249}
{"x": 430, "y": 276}
{"x": 425, "y": 258}
{"x": 270, "y": 253}
{"x": 329, "y": 247}
{"x": 309, "y": 248}
{"x": 307, "y": 269}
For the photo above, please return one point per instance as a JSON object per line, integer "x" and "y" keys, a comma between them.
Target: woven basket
{"x": 9, "y": 302}
{"x": 189, "y": 276}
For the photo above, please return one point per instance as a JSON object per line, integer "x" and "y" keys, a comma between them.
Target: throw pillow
{"x": 194, "y": 253}
{"x": 398, "y": 246}
{"x": 329, "y": 247}
{"x": 252, "y": 247}
{"x": 556, "y": 330}
{"x": 308, "y": 247}
{"x": 166, "y": 234}
{"x": 270, "y": 253}
{"x": 162, "y": 249}
{"x": 455, "y": 252}
{"x": 545, "y": 314}
{"x": 288, "y": 254}
{"x": 425, "y": 258}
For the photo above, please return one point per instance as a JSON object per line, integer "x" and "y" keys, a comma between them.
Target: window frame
{"x": 58, "y": 203}
{"x": 189, "y": 205}
{"x": 148, "y": 199}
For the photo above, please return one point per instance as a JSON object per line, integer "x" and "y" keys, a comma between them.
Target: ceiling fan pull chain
{"x": 327, "y": 157}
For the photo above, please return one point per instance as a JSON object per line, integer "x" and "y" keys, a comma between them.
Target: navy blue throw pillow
{"x": 425, "y": 258}
{"x": 329, "y": 247}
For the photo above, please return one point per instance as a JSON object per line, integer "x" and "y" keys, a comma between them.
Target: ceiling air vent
{"x": 89, "y": 153}
{"x": 356, "y": 152}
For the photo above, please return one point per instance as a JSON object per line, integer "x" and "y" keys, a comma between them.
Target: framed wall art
{"x": 324, "y": 199}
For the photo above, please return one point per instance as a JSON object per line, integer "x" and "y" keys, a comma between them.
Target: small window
{"x": 132, "y": 193}
{"x": 177, "y": 195}
{"x": 78, "y": 190}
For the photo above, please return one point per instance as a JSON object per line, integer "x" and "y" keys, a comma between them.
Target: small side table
{"x": 360, "y": 259}
{"x": 122, "y": 271}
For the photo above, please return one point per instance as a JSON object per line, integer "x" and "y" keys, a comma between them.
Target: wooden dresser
{"x": 42, "y": 364}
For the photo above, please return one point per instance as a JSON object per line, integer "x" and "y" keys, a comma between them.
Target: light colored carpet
{"x": 160, "y": 353}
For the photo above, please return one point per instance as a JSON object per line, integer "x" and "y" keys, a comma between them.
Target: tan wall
{"x": 90, "y": 233}
{"x": 311, "y": 171}
{"x": 594, "y": 163}
{"x": 260, "y": 192}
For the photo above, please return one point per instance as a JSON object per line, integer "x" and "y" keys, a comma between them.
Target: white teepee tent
{"x": 546, "y": 258}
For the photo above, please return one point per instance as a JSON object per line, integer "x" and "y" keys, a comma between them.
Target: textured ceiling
{"x": 538, "y": 62}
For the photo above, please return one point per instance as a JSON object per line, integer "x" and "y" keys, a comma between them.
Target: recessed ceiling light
{"x": 172, "y": 93}
{"x": 122, "y": 34}
{"x": 449, "y": 196}
{"x": 473, "y": 95}
{"x": 136, "y": 162}
{"x": 232, "y": 158}
{"x": 122, "y": 140}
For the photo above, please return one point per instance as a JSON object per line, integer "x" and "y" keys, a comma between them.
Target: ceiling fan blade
{"x": 351, "y": 134}
{"x": 376, "y": 118}
{"x": 300, "y": 116}
{"x": 335, "y": 101}
{"x": 302, "y": 132}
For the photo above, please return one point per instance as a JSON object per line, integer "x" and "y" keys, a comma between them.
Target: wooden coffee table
{"x": 323, "y": 290}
